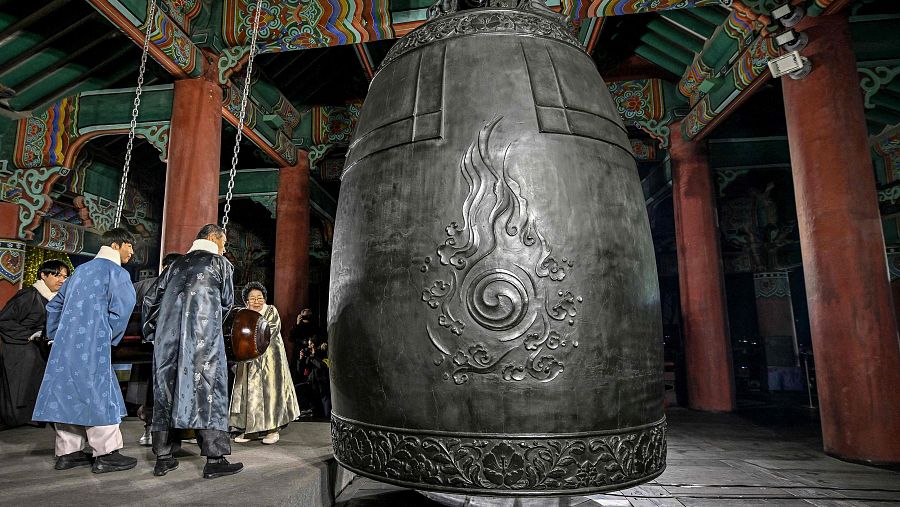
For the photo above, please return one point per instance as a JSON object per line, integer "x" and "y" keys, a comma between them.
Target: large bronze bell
{"x": 494, "y": 313}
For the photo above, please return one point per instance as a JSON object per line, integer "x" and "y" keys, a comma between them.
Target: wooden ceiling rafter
{"x": 31, "y": 19}
{"x": 69, "y": 58}
{"x": 46, "y": 43}
{"x": 96, "y": 70}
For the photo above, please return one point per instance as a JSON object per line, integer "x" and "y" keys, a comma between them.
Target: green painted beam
{"x": 104, "y": 180}
{"x": 18, "y": 44}
{"x": 255, "y": 182}
{"x": 874, "y": 127}
{"x": 711, "y": 15}
{"x": 36, "y": 64}
{"x": 409, "y": 16}
{"x": 669, "y": 31}
{"x": 250, "y": 182}
{"x": 8, "y": 131}
{"x": 719, "y": 50}
{"x": 661, "y": 59}
{"x": 303, "y": 131}
{"x": 321, "y": 198}
{"x": 875, "y": 39}
{"x": 99, "y": 77}
{"x": 690, "y": 23}
{"x": 104, "y": 108}
{"x": 739, "y": 152}
{"x": 887, "y": 100}
{"x": 407, "y": 5}
{"x": 671, "y": 48}
{"x": 883, "y": 116}
{"x": 69, "y": 81}
{"x": 68, "y": 61}
{"x": 894, "y": 86}
{"x": 23, "y": 56}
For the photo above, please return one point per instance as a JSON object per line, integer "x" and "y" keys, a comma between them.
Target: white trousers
{"x": 102, "y": 439}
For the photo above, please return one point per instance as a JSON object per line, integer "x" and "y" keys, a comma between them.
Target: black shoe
{"x": 113, "y": 462}
{"x": 72, "y": 460}
{"x": 164, "y": 466}
{"x": 220, "y": 468}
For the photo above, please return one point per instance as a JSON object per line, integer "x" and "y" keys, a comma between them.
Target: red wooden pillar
{"x": 707, "y": 344}
{"x": 12, "y": 252}
{"x": 854, "y": 329}
{"x": 292, "y": 243}
{"x": 192, "y": 171}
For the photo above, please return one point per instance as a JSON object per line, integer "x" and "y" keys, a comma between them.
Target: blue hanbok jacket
{"x": 85, "y": 319}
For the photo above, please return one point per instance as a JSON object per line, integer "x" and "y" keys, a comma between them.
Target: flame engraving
{"x": 496, "y": 289}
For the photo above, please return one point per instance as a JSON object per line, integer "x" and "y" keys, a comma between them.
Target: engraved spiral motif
{"x": 497, "y": 300}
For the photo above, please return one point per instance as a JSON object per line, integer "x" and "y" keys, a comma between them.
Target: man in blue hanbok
{"x": 80, "y": 392}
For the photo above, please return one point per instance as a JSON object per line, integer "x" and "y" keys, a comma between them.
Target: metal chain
{"x": 241, "y": 116}
{"x": 120, "y": 204}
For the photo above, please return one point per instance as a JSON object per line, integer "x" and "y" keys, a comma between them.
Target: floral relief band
{"x": 497, "y": 464}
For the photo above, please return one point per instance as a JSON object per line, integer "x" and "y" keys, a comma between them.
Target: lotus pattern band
{"x": 502, "y": 464}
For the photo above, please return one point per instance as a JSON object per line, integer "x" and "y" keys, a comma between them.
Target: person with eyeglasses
{"x": 24, "y": 349}
{"x": 263, "y": 400}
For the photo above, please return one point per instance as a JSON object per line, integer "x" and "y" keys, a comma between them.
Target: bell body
{"x": 494, "y": 314}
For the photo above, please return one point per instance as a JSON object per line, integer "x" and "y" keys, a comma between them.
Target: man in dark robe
{"x": 22, "y": 329}
{"x": 184, "y": 321}
{"x": 140, "y": 386}
{"x": 80, "y": 392}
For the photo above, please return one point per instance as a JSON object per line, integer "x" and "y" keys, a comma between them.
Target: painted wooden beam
{"x": 262, "y": 183}
{"x": 747, "y": 73}
{"x": 729, "y": 39}
{"x": 322, "y": 23}
{"x": 670, "y": 31}
{"x": 172, "y": 48}
{"x": 672, "y": 48}
{"x": 45, "y": 145}
{"x": 23, "y": 102}
{"x": 688, "y": 23}
{"x": 31, "y": 19}
{"x": 660, "y": 58}
{"x": 365, "y": 60}
{"x": 76, "y": 53}
{"x": 44, "y": 44}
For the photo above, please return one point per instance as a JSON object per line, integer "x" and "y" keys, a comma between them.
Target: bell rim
{"x": 505, "y": 492}
{"x": 588, "y": 463}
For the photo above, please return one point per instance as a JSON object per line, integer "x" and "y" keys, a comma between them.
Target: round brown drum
{"x": 246, "y": 333}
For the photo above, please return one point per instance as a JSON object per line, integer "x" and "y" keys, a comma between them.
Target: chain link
{"x": 240, "y": 131}
{"x": 120, "y": 204}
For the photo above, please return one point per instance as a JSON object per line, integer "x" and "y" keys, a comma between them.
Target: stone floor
{"x": 759, "y": 458}
{"x": 298, "y": 470}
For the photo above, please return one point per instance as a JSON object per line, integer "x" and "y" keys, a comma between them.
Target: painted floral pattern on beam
{"x": 622, "y": 7}
{"x": 42, "y": 139}
{"x": 638, "y": 100}
{"x": 293, "y": 24}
